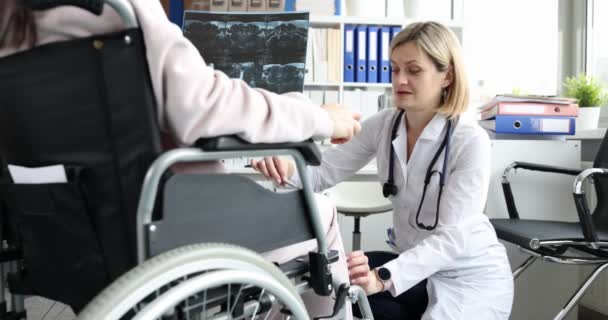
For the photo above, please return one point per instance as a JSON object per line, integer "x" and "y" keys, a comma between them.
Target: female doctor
{"x": 434, "y": 166}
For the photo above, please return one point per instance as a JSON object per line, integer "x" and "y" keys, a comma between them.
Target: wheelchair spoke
{"x": 49, "y": 310}
{"x": 255, "y": 312}
{"x": 236, "y": 300}
{"x": 267, "y": 313}
{"x": 224, "y": 304}
{"x": 218, "y": 303}
{"x": 205, "y": 303}
{"x": 60, "y": 312}
{"x": 228, "y": 304}
{"x": 198, "y": 282}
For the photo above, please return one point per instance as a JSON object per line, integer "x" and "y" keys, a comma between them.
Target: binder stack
{"x": 323, "y": 56}
{"x": 367, "y": 53}
{"x": 529, "y": 115}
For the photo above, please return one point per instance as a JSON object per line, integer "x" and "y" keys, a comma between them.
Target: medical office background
{"x": 510, "y": 46}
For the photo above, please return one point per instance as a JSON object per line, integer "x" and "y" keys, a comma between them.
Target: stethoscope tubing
{"x": 389, "y": 187}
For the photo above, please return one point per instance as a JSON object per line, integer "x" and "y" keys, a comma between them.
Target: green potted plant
{"x": 591, "y": 95}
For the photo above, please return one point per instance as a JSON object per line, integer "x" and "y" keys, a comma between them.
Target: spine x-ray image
{"x": 265, "y": 50}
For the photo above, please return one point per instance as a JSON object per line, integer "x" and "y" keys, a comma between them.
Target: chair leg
{"x": 2, "y": 289}
{"x": 17, "y": 300}
{"x": 357, "y": 235}
{"x": 524, "y": 266}
{"x": 580, "y": 292}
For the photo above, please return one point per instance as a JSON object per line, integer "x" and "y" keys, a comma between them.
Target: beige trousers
{"x": 317, "y": 305}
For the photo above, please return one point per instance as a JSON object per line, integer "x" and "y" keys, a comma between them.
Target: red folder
{"x": 530, "y": 109}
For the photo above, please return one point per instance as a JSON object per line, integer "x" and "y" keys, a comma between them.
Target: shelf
{"x": 386, "y": 21}
{"x": 591, "y": 134}
{"x": 323, "y": 84}
{"x": 366, "y": 85}
{"x": 346, "y": 85}
{"x": 325, "y": 21}
{"x": 336, "y": 21}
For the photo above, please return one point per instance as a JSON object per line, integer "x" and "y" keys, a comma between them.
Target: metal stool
{"x": 359, "y": 200}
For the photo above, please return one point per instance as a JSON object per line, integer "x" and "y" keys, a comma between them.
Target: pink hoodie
{"x": 194, "y": 100}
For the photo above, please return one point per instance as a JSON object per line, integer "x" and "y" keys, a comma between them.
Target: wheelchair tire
{"x": 219, "y": 260}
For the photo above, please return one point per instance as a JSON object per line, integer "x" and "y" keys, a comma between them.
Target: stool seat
{"x": 356, "y": 198}
{"x": 359, "y": 200}
{"x": 363, "y": 212}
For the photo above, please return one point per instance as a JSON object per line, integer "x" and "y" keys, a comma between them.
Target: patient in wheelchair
{"x": 193, "y": 100}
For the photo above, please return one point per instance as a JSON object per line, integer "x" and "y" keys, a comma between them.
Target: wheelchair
{"x": 127, "y": 237}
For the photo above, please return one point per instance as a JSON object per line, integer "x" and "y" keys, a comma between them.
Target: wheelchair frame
{"x": 117, "y": 293}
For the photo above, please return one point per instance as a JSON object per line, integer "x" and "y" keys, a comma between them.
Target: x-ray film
{"x": 266, "y": 50}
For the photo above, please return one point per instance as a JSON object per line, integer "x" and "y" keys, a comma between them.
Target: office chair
{"x": 359, "y": 200}
{"x": 558, "y": 241}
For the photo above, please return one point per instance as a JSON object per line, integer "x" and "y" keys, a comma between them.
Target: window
{"x": 597, "y": 50}
{"x": 511, "y": 46}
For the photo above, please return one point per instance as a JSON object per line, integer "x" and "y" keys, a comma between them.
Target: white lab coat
{"x": 468, "y": 272}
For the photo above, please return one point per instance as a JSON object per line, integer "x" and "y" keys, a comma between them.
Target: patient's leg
{"x": 316, "y": 305}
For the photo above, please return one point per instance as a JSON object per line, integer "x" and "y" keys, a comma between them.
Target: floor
{"x": 44, "y": 309}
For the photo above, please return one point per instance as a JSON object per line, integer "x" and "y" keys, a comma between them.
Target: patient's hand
{"x": 360, "y": 274}
{"x": 346, "y": 122}
{"x": 275, "y": 168}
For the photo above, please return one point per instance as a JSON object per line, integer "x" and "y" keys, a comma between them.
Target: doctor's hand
{"x": 275, "y": 168}
{"x": 346, "y": 122}
{"x": 360, "y": 274}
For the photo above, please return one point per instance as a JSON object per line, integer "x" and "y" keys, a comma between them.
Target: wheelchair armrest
{"x": 93, "y": 6}
{"x": 308, "y": 149}
{"x": 582, "y": 208}
{"x": 506, "y": 186}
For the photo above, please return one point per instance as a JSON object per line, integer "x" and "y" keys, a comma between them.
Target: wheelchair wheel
{"x": 204, "y": 281}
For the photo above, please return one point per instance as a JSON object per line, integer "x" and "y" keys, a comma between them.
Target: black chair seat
{"x": 521, "y": 231}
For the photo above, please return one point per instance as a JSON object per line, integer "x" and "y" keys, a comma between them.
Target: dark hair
{"x": 19, "y": 25}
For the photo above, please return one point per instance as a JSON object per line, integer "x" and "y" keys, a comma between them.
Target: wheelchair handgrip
{"x": 308, "y": 148}
{"x": 93, "y": 6}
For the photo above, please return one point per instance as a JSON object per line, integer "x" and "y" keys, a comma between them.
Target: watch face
{"x": 384, "y": 274}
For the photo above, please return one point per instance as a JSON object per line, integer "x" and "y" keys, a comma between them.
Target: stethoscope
{"x": 389, "y": 188}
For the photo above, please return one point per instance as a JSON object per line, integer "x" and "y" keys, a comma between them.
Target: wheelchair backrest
{"x": 237, "y": 210}
{"x": 88, "y": 105}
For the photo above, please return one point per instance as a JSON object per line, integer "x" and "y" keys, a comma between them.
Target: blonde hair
{"x": 442, "y": 46}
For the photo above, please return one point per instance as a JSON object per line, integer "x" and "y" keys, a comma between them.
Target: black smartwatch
{"x": 384, "y": 275}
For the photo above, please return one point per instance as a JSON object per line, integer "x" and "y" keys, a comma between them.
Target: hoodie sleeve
{"x": 196, "y": 101}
